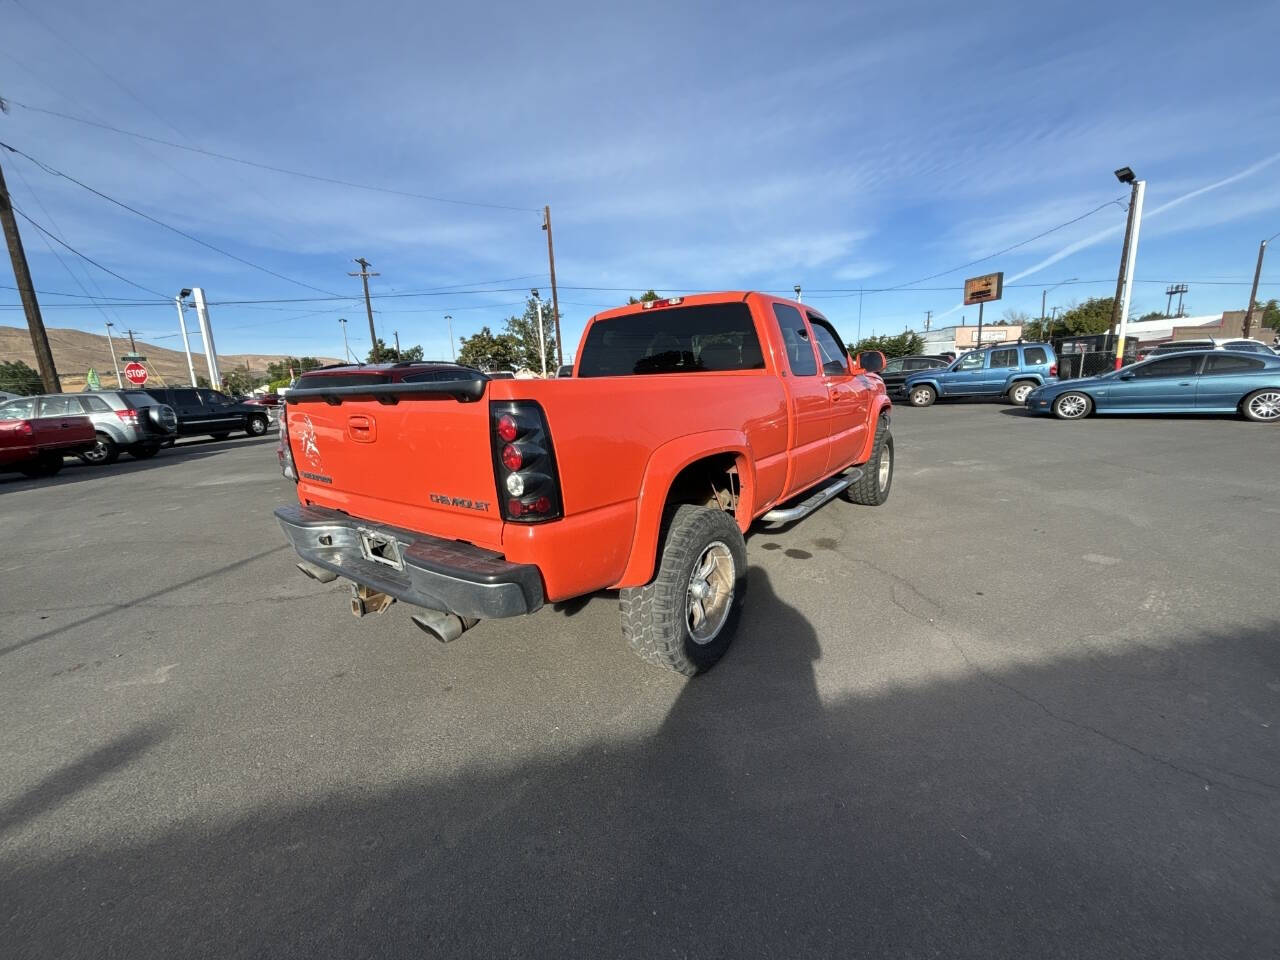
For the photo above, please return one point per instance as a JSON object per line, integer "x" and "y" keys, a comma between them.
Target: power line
{"x": 271, "y": 167}
{"x": 146, "y": 216}
{"x": 82, "y": 256}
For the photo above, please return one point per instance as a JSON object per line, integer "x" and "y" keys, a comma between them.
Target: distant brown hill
{"x": 75, "y": 351}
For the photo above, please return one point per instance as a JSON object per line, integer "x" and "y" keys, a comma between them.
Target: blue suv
{"x": 1010, "y": 370}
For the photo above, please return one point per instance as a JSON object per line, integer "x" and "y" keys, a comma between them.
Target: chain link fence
{"x": 1090, "y": 356}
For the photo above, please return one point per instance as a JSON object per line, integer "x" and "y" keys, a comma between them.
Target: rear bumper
{"x": 436, "y": 574}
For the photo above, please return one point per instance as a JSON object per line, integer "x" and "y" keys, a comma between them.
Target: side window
{"x": 897, "y": 366}
{"x": 914, "y": 364}
{"x": 796, "y": 340}
{"x": 185, "y": 398}
{"x": 1224, "y": 363}
{"x": 1035, "y": 356}
{"x": 18, "y": 409}
{"x": 1182, "y": 365}
{"x": 1004, "y": 358}
{"x": 971, "y": 361}
{"x": 94, "y": 404}
{"x": 835, "y": 359}
{"x": 59, "y": 406}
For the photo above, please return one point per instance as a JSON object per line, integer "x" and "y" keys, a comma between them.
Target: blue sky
{"x": 682, "y": 146}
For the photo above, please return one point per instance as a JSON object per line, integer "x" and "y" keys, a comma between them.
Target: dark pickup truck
{"x": 36, "y": 445}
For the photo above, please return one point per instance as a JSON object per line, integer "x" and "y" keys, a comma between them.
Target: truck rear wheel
{"x": 684, "y": 619}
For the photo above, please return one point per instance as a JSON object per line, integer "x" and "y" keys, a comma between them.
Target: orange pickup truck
{"x": 685, "y": 421}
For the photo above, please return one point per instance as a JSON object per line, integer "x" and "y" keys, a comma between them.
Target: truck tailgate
{"x": 423, "y": 462}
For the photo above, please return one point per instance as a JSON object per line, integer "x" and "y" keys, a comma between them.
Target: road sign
{"x": 136, "y": 357}
{"x": 984, "y": 288}
{"x": 135, "y": 373}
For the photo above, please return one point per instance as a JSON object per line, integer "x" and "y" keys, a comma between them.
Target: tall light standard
{"x": 1253, "y": 293}
{"x": 1128, "y": 259}
{"x": 452, "y": 349}
{"x": 1045, "y": 293}
{"x": 799, "y": 298}
{"x": 110, "y": 343}
{"x": 182, "y": 325}
{"x": 542, "y": 344}
{"x": 346, "y": 351}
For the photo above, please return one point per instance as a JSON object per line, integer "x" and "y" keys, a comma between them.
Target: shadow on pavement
{"x": 1062, "y": 809}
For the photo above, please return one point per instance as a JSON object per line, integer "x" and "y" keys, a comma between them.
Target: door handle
{"x": 1185, "y": 383}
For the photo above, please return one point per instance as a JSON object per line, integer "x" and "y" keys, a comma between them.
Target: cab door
{"x": 809, "y": 402}
{"x": 850, "y": 396}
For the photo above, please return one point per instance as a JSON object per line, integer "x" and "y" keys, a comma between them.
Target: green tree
{"x": 1267, "y": 315}
{"x": 17, "y": 377}
{"x": 280, "y": 369}
{"x": 384, "y": 354}
{"x": 412, "y": 353}
{"x": 900, "y": 345}
{"x": 645, "y": 297}
{"x": 239, "y": 382}
{"x": 1153, "y": 315}
{"x": 489, "y": 351}
{"x": 524, "y": 331}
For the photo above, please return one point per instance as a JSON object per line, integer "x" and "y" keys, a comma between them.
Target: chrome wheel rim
{"x": 920, "y": 397}
{"x": 710, "y": 593}
{"x": 1020, "y": 394}
{"x": 97, "y": 453}
{"x": 885, "y": 470}
{"x": 1072, "y": 406}
{"x": 257, "y": 426}
{"x": 1266, "y": 406}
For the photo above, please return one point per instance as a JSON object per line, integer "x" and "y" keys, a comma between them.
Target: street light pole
{"x": 111, "y": 344}
{"x": 182, "y": 325}
{"x": 1124, "y": 175}
{"x": 453, "y": 351}
{"x": 1131, "y": 260}
{"x": 1044, "y": 294}
{"x": 1253, "y": 292}
{"x": 542, "y": 344}
{"x": 346, "y": 351}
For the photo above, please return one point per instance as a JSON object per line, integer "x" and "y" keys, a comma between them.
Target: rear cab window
{"x": 697, "y": 338}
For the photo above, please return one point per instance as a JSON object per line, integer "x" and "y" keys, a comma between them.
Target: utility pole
{"x": 1131, "y": 259}
{"x": 1253, "y": 292}
{"x": 1125, "y": 175}
{"x": 364, "y": 276}
{"x": 453, "y": 351}
{"x": 346, "y": 351}
{"x": 397, "y": 334}
{"x": 555, "y": 297}
{"x": 182, "y": 326}
{"x": 27, "y": 293}
{"x": 133, "y": 347}
{"x": 928, "y": 318}
{"x": 111, "y": 344}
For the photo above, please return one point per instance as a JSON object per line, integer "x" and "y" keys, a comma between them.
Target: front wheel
{"x": 1262, "y": 406}
{"x": 872, "y": 488}
{"x": 256, "y": 426}
{"x": 101, "y": 453}
{"x": 684, "y": 619}
{"x": 923, "y": 395}
{"x": 1072, "y": 406}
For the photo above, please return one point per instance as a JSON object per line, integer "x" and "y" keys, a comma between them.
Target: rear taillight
{"x": 24, "y": 427}
{"x": 524, "y": 463}
{"x": 128, "y": 416}
{"x": 283, "y": 453}
{"x": 1053, "y": 370}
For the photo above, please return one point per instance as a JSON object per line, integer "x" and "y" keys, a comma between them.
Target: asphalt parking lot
{"x": 1029, "y": 708}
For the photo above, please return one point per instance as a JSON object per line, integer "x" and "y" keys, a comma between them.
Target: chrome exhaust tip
{"x": 445, "y": 627}
{"x": 316, "y": 572}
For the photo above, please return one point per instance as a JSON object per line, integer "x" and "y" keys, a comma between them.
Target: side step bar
{"x": 816, "y": 499}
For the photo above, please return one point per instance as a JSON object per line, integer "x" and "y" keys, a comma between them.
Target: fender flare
{"x": 664, "y": 465}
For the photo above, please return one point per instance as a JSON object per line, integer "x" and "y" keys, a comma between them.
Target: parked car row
{"x": 136, "y": 422}
{"x": 1207, "y": 377}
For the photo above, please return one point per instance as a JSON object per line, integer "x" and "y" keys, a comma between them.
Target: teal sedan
{"x": 1200, "y": 381}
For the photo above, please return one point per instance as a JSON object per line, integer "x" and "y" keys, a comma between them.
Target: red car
{"x": 36, "y": 445}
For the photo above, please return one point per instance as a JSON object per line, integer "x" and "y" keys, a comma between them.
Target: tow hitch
{"x": 365, "y": 601}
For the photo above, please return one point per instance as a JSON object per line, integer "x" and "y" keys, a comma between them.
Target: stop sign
{"x": 135, "y": 373}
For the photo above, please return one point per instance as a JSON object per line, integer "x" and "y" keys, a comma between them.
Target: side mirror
{"x": 871, "y": 361}
{"x": 1127, "y": 375}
